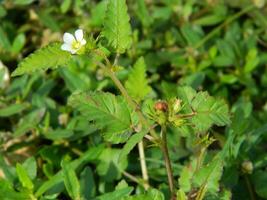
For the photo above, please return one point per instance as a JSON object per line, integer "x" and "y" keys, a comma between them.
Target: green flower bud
{"x": 247, "y": 167}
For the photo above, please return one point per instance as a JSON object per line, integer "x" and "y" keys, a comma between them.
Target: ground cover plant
{"x": 133, "y": 100}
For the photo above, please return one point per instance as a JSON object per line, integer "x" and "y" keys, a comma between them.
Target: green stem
{"x": 228, "y": 21}
{"x": 250, "y": 189}
{"x": 168, "y": 166}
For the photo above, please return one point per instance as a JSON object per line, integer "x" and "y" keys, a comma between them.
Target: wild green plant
{"x": 135, "y": 117}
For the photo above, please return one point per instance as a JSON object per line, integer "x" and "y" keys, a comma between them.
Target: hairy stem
{"x": 168, "y": 166}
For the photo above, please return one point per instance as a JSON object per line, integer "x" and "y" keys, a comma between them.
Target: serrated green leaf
{"x": 209, "y": 111}
{"x": 208, "y": 176}
{"x": 110, "y": 113}
{"x": 117, "y": 29}
{"x": 71, "y": 181}
{"x": 23, "y": 177}
{"x": 47, "y": 57}
{"x": 137, "y": 84}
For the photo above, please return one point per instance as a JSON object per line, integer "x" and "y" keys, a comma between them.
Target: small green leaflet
{"x": 209, "y": 111}
{"x": 110, "y": 113}
{"x": 47, "y": 57}
{"x": 23, "y": 177}
{"x": 13, "y": 109}
{"x": 117, "y": 29}
{"x": 71, "y": 181}
{"x": 208, "y": 176}
{"x": 137, "y": 84}
{"x": 134, "y": 139}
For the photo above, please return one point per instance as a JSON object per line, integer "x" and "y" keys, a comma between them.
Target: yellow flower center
{"x": 76, "y": 45}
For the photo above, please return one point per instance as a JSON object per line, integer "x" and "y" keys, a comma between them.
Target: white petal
{"x": 68, "y": 38}
{"x": 83, "y": 42}
{"x": 79, "y": 35}
{"x": 66, "y": 47}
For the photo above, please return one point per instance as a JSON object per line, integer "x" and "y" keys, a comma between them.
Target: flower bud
{"x": 177, "y": 105}
{"x": 247, "y": 167}
{"x": 63, "y": 119}
{"x": 161, "y": 106}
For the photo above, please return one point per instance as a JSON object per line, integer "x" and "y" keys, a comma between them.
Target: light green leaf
{"x": 209, "y": 176}
{"x": 185, "y": 179}
{"x": 71, "y": 181}
{"x": 18, "y": 43}
{"x": 110, "y": 113}
{"x": 13, "y": 109}
{"x": 252, "y": 60}
{"x": 111, "y": 164}
{"x": 23, "y": 177}
{"x": 143, "y": 14}
{"x": 47, "y": 57}
{"x": 65, "y": 6}
{"x": 181, "y": 195}
{"x": 209, "y": 111}
{"x": 31, "y": 167}
{"x": 117, "y": 29}
{"x": 137, "y": 84}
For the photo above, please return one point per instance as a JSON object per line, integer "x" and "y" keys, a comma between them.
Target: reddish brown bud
{"x": 161, "y": 106}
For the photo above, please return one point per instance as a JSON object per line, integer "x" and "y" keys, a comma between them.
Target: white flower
{"x": 73, "y": 44}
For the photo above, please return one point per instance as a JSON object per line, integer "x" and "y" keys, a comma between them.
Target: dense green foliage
{"x": 189, "y": 76}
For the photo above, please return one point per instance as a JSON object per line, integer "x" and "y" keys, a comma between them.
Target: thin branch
{"x": 143, "y": 164}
